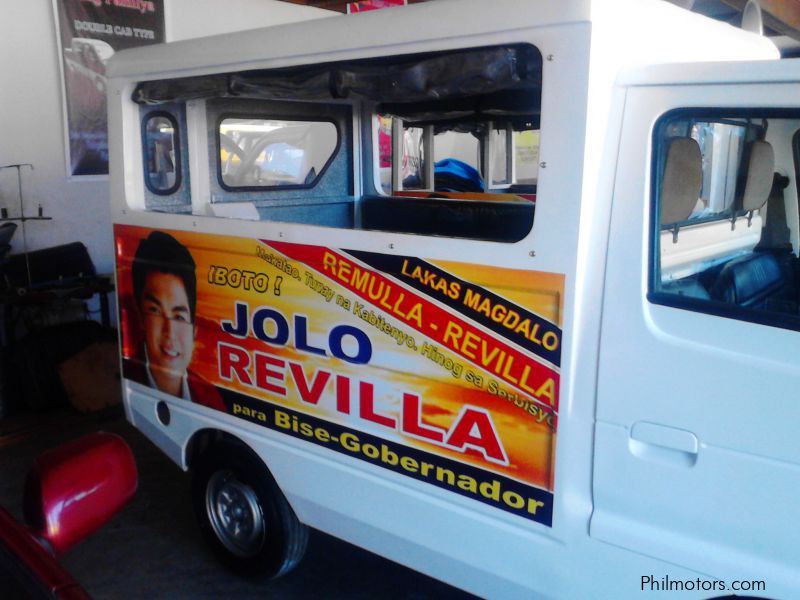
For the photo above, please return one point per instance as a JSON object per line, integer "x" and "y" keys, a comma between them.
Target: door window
{"x": 721, "y": 241}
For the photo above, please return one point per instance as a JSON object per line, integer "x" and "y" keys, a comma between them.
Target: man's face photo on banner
{"x": 168, "y": 329}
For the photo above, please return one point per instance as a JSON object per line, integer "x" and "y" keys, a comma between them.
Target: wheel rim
{"x": 235, "y": 514}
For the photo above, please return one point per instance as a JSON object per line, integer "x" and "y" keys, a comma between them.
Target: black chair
{"x": 6, "y": 233}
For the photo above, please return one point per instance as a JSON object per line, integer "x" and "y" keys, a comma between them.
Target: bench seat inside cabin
{"x": 492, "y": 220}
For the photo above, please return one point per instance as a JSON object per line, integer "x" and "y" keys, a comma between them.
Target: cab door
{"x": 697, "y": 452}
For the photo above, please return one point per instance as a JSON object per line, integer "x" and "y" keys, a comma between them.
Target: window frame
{"x": 712, "y": 307}
{"x": 271, "y": 188}
{"x": 176, "y": 145}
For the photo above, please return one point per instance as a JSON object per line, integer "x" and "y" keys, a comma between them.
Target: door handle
{"x": 662, "y": 443}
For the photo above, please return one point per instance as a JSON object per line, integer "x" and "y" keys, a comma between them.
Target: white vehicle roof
{"x": 778, "y": 71}
{"x": 661, "y": 31}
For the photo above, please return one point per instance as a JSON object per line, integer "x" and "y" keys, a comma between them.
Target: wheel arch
{"x": 204, "y": 439}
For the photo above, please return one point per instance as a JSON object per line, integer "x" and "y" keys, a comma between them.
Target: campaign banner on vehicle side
{"x": 441, "y": 371}
{"x": 90, "y": 31}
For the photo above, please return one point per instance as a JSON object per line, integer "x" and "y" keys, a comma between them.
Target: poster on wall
{"x": 90, "y": 32}
{"x": 439, "y": 371}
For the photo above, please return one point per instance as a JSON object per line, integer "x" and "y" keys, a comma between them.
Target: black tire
{"x": 231, "y": 486}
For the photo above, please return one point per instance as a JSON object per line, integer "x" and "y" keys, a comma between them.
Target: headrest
{"x": 759, "y": 176}
{"x": 683, "y": 177}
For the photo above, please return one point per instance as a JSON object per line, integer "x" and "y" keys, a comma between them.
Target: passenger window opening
{"x": 453, "y": 153}
{"x": 721, "y": 146}
{"x": 458, "y": 158}
{"x": 162, "y": 153}
{"x": 501, "y": 169}
{"x": 413, "y": 157}
{"x": 271, "y": 153}
{"x": 382, "y": 132}
{"x": 721, "y": 242}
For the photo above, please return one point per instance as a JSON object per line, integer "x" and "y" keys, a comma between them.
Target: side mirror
{"x": 73, "y": 490}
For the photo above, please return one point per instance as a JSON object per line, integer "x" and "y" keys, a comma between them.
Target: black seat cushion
{"x": 486, "y": 220}
{"x": 750, "y": 280}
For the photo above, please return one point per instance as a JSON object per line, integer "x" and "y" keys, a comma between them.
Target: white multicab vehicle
{"x": 572, "y": 377}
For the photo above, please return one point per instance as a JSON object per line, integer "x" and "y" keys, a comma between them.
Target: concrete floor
{"x": 153, "y": 548}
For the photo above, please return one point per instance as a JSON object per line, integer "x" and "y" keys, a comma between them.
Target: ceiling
{"x": 337, "y": 5}
{"x": 781, "y": 17}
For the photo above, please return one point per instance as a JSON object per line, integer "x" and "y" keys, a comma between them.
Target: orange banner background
{"x": 520, "y": 420}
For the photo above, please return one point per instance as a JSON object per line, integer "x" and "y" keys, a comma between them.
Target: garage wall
{"x": 196, "y": 18}
{"x": 31, "y": 125}
{"x": 31, "y": 131}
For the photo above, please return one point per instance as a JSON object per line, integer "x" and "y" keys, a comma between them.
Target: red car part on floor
{"x": 70, "y": 492}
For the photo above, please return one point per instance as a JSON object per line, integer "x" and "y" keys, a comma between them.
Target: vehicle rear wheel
{"x": 243, "y": 514}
